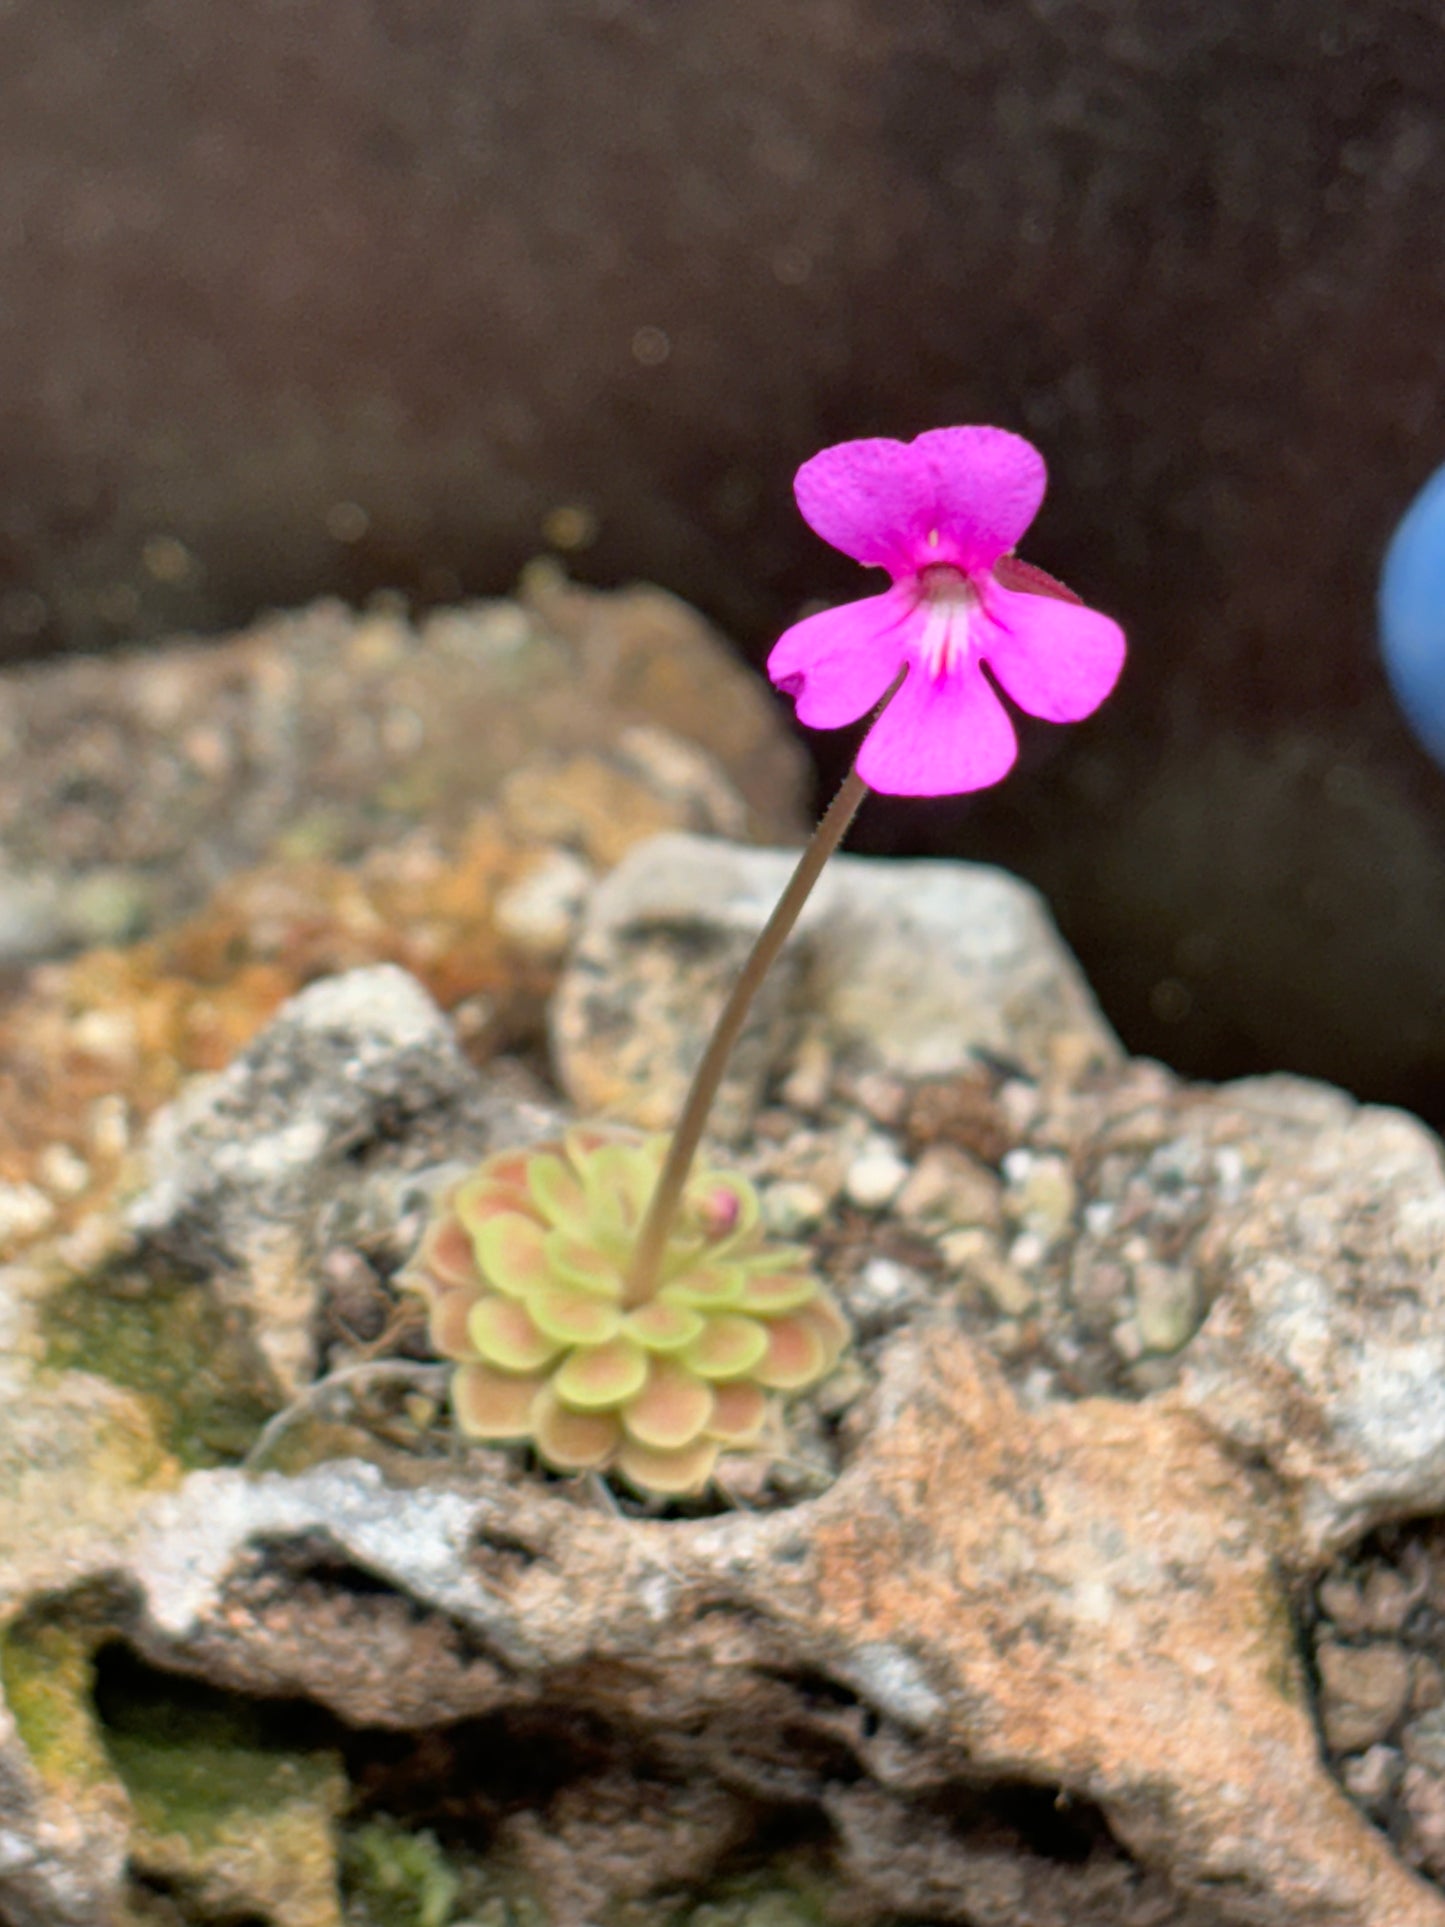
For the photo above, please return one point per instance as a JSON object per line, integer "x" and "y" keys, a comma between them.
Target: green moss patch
{"x": 235, "y": 1803}
{"x": 47, "y": 1670}
{"x": 201, "y": 1787}
{"x": 396, "y": 1878}
{"x": 765, "y": 1897}
{"x": 201, "y": 1378}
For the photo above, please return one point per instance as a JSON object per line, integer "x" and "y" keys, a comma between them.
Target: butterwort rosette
{"x": 942, "y": 514}
{"x": 525, "y": 1270}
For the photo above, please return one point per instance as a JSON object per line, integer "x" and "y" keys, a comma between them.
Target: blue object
{"x": 1412, "y": 615}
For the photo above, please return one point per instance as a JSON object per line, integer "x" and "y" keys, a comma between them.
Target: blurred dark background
{"x": 325, "y": 295}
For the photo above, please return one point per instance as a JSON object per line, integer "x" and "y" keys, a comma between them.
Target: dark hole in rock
{"x": 155, "y": 1901}
{"x": 137, "y": 1701}
{"x": 485, "y": 1766}
{"x": 555, "y": 1791}
{"x": 814, "y": 1689}
{"x": 501, "y": 1556}
{"x": 478, "y": 1769}
{"x": 1051, "y": 1823}
{"x": 388, "y": 1126}
{"x": 293, "y": 1561}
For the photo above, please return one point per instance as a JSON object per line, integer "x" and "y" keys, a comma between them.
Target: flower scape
{"x": 525, "y": 1270}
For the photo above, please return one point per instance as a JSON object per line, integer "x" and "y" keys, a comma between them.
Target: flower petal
{"x": 837, "y": 665}
{"x": 940, "y": 736}
{"x": 1058, "y": 660}
{"x": 1012, "y": 572}
{"x": 987, "y": 486}
{"x": 872, "y": 499}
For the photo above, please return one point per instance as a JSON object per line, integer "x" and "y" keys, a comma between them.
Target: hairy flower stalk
{"x": 606, "y": 1301}
{"x": 661, "y": 1213}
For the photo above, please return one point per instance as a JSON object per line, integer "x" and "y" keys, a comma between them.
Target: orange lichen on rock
{"x": 91, "y": 1047}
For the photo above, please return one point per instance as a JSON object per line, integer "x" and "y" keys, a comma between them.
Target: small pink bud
{"x": 718, "y": 1211}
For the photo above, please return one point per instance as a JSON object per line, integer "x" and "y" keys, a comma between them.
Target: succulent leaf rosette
{"x": 525, "y": 1270}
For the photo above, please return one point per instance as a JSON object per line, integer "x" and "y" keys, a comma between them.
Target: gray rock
{"x": 915, "y": 967}
{"x": 130, "y": 786}
{"x": 1424, "y": 1742}
{"x": 793, "y": 1208}
{"x": 1166, "y": 1307}
{"x": 1364, "y": 1691}
{"x": 540, "y": 913}
{"x": 1372, "y": 1776}
{"x": 1324, "y": 1348}
{"x": 242, "y": 1164}
{"x": 949, "y": 1188}
{"x": 993, "y": 1590}
{"x": 876, "y": 1176}
{"x": 1119, "y": 1533}
{"x": 1040, "y": 1194}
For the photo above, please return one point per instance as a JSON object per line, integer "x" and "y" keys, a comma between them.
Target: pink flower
{"x": 941, "y": 514}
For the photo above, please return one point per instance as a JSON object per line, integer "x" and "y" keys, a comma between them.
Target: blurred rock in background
{"x": 323, "y": 298}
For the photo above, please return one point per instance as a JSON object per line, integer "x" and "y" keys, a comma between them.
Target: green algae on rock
{"x": 394, "y": 1877}
{"x": 200, "y": 1378}
{"x": 228, "y": 1810}
{"x": 47, "y": 1675}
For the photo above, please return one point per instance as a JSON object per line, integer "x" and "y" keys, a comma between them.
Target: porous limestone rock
{"x": 326, "y": 732}
{"x": 915, "y": 968}
{"x": 1085, "y": 1599}
{"x": 1324, "y": 1350}
{"x": 438, "y": 794}
{"x": 1018, "y": 1614}
{"x": 245, "y": 1162}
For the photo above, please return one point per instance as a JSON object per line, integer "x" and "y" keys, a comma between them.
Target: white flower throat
{"x": 948, "y": 600}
